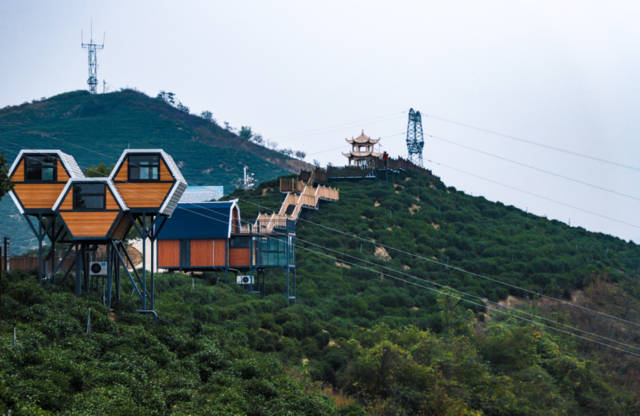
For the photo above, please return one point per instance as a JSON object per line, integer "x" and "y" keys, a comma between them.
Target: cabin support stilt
{"x": 79, "y": 269}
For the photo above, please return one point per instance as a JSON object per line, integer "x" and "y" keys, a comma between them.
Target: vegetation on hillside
{"x": 5, "y": 184}
{"x": 219, "y": 351}
{"x": 356, "y": 342}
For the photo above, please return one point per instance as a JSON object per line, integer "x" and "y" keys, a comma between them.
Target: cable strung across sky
{"x": 532, "y": 142}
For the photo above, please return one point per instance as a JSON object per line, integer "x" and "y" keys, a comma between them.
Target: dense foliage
{"x": 5, "y": 184}
{"x": 219, "y": 351}
{"x": 356, "y": 342}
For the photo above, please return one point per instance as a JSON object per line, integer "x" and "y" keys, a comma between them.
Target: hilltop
{"x": 96, "y": 128}
{"x": 357, "y": 342}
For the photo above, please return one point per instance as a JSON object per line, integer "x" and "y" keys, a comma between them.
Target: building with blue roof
{"x": 210, "y": 236}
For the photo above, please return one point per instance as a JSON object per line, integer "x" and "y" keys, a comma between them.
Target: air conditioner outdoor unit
{"x": 244, "y": 279}
{"x": 98, "y": 268}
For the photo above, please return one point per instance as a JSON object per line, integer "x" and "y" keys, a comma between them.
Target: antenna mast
{"x": 92, "y": 48}
{"x": 415, "y": 138}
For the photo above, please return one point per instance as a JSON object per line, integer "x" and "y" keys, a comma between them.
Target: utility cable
{"x": 463, "y": 271}
{"x": 459, "y": 269}
{"x": 477, "y": 304}
{"x": 470, "y": 295}
{"x": 545, "y": 171}
{"x": 555, "y": 201}
{"x": 532, "y": 142}
{"x": 459, "y": 292}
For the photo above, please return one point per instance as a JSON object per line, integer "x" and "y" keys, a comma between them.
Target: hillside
{"x": 96, "y": 128}
{"x": 357, "y": 342}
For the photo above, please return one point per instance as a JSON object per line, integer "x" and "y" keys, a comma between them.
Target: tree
{"x": 455, "y": 319}
{"x": 99, "y": 171}
{"x": 207, "y": 115}
{"x": 258, "y": 139}
{"x": 245, "y": 132}
{"x": 167, "y": 97}
{"x": 300, "y": 154}
{"x": 273, "y": 145}
{"x": 182, "y": 108}
{"x": 5, "y": 184}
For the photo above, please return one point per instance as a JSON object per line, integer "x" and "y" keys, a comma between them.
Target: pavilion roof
{"x": 362, "y": 139}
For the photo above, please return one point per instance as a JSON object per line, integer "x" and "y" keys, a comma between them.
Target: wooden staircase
{"x": 300, "y": 194}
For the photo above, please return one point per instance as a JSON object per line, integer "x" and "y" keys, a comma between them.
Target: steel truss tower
{"x": 93, "y": 48}
{"x": 415, "y": 138}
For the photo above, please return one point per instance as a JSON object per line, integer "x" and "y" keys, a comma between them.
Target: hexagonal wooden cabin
{"x": 148, "y": 181}
{"x": 38, "y": 177}
{"x": 92, "y": 209}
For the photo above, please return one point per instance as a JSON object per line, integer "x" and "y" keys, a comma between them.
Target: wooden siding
{"x": 110, "y": 200}
{"x": 168, "y": 253}
{"x": 62, "y": 174}
{"x": 165, "y": 173}
{"x": 123, "y": 173}
{"x": 88, "y": 223}
{"x": 122, "y": 228}
{"x": 38, "y": 195}
{"x": 143, "y": 195}
{"x": 239, "y": 257}
{"x": 219, "y": 252}
{"x": 67, "y": 202}
{"x": 201, "y": 253}
{"x": 18, "y": 175}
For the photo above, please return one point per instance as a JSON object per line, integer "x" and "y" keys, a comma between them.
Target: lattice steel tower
{"x": 415, "y": 138}
{"x": 92, "y": 47}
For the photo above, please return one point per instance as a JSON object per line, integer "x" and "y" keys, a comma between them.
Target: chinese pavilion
{"x": 362, "y": 153}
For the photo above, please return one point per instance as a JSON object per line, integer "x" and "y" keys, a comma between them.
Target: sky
{"x": 309, "y": 74}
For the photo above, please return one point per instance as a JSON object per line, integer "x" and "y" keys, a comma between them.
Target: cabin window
{"x": 240, "y": 242}
{"x": 89, "y": 195}
{"x": 40, "y": 168}
{"x": 144, "y": 168}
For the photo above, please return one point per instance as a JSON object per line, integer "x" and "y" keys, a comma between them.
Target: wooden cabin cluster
{"x": 49, "y": 185}
{"x": 143, "y": 193}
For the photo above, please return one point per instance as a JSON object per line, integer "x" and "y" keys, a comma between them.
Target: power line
{"x": 548, "y": 172}
{"x": 479, "y": 304}
{"x": 463, "y": 293}
{"x": 342, "y": 147}
{"x": 464, "y": 271}
{"x": 534, "y": 194}
{"x": 534, "y": 143}
{"x": 447, "y": 265}
{"x": 321, "y": 130}
{"x": 464, "y": 299}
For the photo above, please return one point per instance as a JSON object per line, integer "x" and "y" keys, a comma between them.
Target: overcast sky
{"x": 309, "y": 74}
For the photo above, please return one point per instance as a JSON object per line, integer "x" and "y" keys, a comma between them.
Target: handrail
{"x": 308, "y": 197}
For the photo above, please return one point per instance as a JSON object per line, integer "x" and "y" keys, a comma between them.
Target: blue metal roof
{"x": 206, "y": 220}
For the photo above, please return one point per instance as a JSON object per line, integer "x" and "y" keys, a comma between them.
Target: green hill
{"x": 357, "y": 342}
{"x": 96, "y": 128}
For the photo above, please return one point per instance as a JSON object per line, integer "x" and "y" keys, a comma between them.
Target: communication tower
{"x": 248, "y": 180}
{"x": 93, "y": 48}
{"x": 415, "y": 138}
